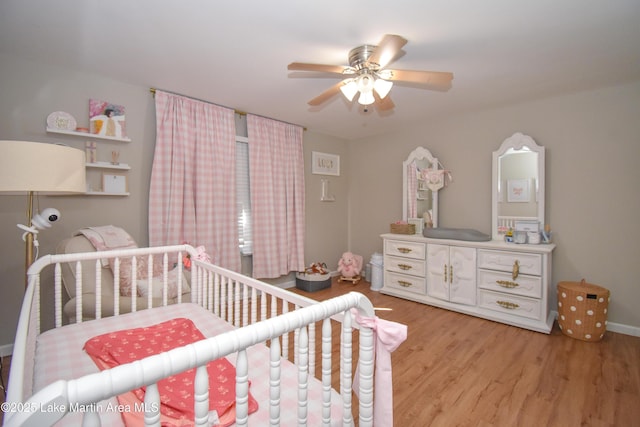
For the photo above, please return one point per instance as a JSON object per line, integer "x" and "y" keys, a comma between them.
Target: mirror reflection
{"x": 422, "y": 178}
{"x": 518, "y": 184}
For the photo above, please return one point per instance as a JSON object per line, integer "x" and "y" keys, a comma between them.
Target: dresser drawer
{"x": 412, "y": 250}
{"x": 510, "y": 304}
{"x": 528, "y": 286}
{"x": 505, "y": 261}
{"x": 405, "y": 282}
{"x": 414, "y": 267}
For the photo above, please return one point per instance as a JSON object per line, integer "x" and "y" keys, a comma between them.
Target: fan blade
{"x": 301, "y": 66}
{"x": 434, "y": 79}
{"x": 385, "y": 103}
{"x": 326, "y": 94}
{"x": 387, "y": 49}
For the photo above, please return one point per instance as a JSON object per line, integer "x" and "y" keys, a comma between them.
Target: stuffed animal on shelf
{"x": 349, "y": 267}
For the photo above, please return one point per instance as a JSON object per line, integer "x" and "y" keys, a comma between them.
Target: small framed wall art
{"x": 325, "y": 164}
{"x": 107, "y": 119}
{"x": 518, "y": 191}
{"x": 114, "y": 183}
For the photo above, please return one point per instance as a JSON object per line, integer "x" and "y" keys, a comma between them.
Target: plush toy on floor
{"x": 349, "y": 267}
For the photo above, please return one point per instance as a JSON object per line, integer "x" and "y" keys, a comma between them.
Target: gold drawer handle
{"x": 508, "y": 305}
{"x": 405, "y": 284}
{"x": 404, "y": 267}
{"x": 404, "y": 250}
{"x": 516, "y": 270}
{"x": 507, "y": 284}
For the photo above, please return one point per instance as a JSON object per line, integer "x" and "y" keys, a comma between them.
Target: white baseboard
{"x": 288, "y": 285}
{"x": 6, "y": 350}
{"x": 623, "y": 329}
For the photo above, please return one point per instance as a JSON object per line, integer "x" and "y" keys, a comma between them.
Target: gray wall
{"x": 30, "y": 91}
{"x": 592, "y": 142}
{"x": 592, "y": 197}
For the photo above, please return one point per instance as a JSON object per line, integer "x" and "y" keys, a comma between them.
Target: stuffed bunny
{"x": 350, "y": 265}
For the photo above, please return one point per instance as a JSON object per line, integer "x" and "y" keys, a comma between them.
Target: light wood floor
{"x": 457, "y": 370}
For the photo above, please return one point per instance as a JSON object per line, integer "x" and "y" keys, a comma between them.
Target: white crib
{"x": 276, "y": 323}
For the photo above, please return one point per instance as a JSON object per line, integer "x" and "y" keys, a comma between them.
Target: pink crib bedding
{"x": 59, "y": 355}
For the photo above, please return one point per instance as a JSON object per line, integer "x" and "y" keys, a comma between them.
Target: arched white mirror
{"x": 421, "y": 179}
{"x": 518, "y": 184}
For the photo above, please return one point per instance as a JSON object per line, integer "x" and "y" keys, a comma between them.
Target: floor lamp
{"x": 31, "y": 167}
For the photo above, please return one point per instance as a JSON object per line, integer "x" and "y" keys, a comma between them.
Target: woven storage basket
{"x": 582, "y": 310}
{"x": 403, "y": 228}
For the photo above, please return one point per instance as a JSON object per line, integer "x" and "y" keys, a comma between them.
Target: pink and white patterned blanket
{"x": 59, "y": 355}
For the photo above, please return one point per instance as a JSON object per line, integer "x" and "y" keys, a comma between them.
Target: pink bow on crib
{"x": 202, "y": 254}
{"x": 389, "y": 335}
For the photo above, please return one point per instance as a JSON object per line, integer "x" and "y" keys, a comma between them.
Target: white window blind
{"x": 243, "y": 198}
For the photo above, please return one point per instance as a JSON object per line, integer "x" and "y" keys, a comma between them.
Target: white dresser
{"x": 504, "y": 282}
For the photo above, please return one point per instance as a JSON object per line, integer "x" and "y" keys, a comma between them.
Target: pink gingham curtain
{"x": 276, "y": 173}
{"x": 192, "y": 194}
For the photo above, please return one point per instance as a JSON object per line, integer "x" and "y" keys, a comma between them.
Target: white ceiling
{"x": 235, "y": 53}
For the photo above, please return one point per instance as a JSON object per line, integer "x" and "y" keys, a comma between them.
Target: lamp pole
{"x": 28, "y": 239}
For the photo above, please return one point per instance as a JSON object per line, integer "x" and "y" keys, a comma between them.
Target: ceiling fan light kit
{"x": 367, "y": 74}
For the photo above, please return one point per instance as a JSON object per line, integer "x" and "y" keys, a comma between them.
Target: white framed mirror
{"x": 421, "y": 179}
{"x": 517, "y": 183}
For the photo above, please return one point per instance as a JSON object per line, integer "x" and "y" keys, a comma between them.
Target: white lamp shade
{"x": 365, "y": 83}
{"x": 366, "y": 98}
{"x": 349, "y": 89}
{"x": 35, "y": 166}
{"x": 382, "y": 87}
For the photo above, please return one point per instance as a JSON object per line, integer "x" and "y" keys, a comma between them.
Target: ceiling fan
{"x": 367, "y": 75}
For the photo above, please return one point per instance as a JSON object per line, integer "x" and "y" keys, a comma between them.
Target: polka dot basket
{"x": 582, "y": 310}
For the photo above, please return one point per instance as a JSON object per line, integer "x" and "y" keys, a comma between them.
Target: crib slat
{"x": 303, "y": 376}
{"x": 98, "y": 274}
{"x": 312, "y": 348}
{"x": 366, "y": 378}
{"x": 263, "y": 306}
{"x": 245, "y": 304}
{"x": 285, "y": 337}
{"x": 152, "y": 406}
{"x": 242, "y": 389}
{"x": 78, "y": 292}
{"x": 326, "y": 372}
{"x": 274, "y": 382}
{"x": 134, "y": 284}
{"x": 201, "y": 396}
{"x": 149, "y": 285}
{"x": 236, "y": 304}
{"x": 91, "y": 419}
{"x": 230, "y": 301}
{"x": 345, "y": 369}
{"x": 116, "y": 286}
{"x": 57, "y": 289}
{"x": 254, "y": 305}
{"x": 165, "y": 274}
{"x": 180, "y": 267}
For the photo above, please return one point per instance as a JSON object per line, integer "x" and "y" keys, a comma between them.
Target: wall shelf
{"x": 87, "y": 135}
{"x": 95, "y": 166}
{"x": 108, "y": 165}
{"x": 103, "y": 193}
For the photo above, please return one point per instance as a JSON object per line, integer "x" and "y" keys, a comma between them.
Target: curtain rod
{"x": 241, "y": 113}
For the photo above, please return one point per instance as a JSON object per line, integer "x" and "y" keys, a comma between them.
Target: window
{"x": 243, "y": 196}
